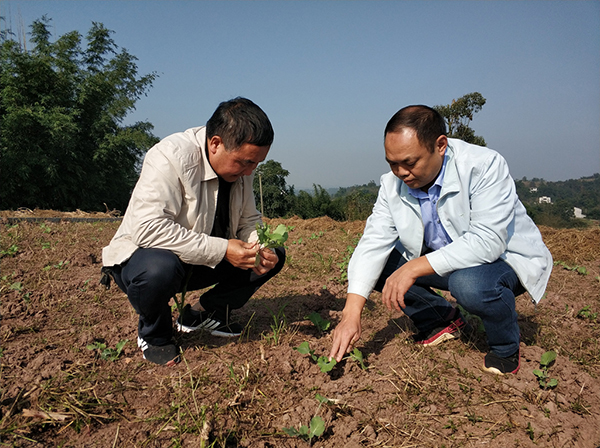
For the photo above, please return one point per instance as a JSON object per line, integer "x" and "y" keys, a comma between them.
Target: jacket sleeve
{"x": 492, "y": 200}
{"x": 374, "y": 248}
{"x": 155, "y": 203}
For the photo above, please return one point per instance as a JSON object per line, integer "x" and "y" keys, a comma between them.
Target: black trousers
{"x": 151, "y": 277}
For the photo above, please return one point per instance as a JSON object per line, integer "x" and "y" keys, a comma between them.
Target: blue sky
{"x": 330, "y": 74}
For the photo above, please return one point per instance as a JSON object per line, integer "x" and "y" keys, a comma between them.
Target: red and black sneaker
{"x": 501, "y": 366}
{"x": 451, "y": 329}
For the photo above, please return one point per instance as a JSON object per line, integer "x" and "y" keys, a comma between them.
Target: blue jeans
{"x": 151, "y": 277}
{"x": 487, "y": 291}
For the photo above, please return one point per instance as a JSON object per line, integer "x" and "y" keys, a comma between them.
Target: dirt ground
{"x": 64, "y": 382}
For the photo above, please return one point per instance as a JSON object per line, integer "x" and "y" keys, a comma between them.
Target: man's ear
{"x": 213, "y": 144}
{"x": 441, "y": 144}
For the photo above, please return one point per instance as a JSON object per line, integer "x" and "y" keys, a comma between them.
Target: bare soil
{"x": 58, "y": 391}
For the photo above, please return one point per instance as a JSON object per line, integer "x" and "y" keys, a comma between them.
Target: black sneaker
{"x": 165, "y": 355}
{"x": 192, "y": 320}
{"x": 445, "y": 332}
{"x": 501, "y": 366}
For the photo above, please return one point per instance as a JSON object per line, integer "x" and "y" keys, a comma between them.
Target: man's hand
{"x": 241, "y": 254}
{"x": 348, "y": 331}
{"x": 268, "y": 260}
{"x": 397, "y": 284}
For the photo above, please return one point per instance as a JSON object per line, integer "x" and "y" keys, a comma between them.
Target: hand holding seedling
{"x": 241, "y": 254}
{"x": 265, "y": 259}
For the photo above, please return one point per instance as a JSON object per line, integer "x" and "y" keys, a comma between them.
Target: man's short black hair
{"x": 427, "y": 122}
{"x": 239, "y": 121}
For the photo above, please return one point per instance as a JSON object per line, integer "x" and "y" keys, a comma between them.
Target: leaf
{"x": 291, "y": 431}
{"x": 303, "y": 348}
{"x": 318, "y": 321}
{"x": 582, "y": 270}
{"x": 539, "y": 374}
{"x": 321, "y": 399}
{"x": 317, "y": 427}
{"x": 553, "y": 382}
{"x": 325, "y": 364}
{"x": 548, "y": 358}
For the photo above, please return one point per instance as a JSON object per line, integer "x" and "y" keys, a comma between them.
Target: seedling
{"x": 581, "y": 270}
{"x": 316, "y": 427}
{"x": 322, "y": 324}
{"x": 357, "y": 356}
{"x": 546, "y": 361}
{"x": 10, "y": 252}
{"x": 324, "y": 363}
{"x": 586, "y": 313}
{"x": 270, "y": 239}
{"x": 107, "y": 353}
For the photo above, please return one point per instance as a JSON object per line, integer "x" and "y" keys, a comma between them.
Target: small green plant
{"x": 322, "y": 324}
{"x": 324, "y": 363}
{"x": 107, "y": 353}
{"x": 45, "y": 227}
{"x": 270, "y": 239}
{"x": 581, "y": 270}
{"x": 586, "y": 313}
{"x": 279, "y": 323}
{"x": 357, "y": 356}
{"x": 316, "y": 428}
{"x": 544, "y": 379}
{"x": 10, "y": 252}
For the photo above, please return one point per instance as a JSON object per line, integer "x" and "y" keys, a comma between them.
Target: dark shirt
{"x": 220, "y": 227}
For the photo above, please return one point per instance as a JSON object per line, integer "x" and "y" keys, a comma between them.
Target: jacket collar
{"x": 207, "y": 172}
{"x": 451, "y": 182}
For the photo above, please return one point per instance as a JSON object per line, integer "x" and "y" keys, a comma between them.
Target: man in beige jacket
{"x": 192, "y": 216}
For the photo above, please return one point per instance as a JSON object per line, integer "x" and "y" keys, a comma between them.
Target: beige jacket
{"x": 174, "y": 202}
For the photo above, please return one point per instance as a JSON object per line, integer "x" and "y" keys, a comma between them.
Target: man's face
{"x": 410, "y": 161}
{"x": 231, "y": 165}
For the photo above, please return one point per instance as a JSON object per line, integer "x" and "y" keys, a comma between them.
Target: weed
{"x": 586, "y": 313}
{"x": 45, "y": 227}
{"x": 107, "y": 353}
{"x": 581, "y": 270}
{"x": 546, "y": 361}
{"x": 279, "y": 324}
{"x": 530, "y": 432}
{"x": 10, "y": 252}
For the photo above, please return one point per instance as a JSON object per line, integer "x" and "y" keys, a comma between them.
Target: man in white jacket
{"x": 191, "y": 221}
{"x": 447, "y": 217}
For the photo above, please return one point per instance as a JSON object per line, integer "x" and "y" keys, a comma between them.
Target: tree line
{"x": 63, "y": 144}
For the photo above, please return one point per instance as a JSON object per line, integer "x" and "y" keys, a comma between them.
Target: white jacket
{"x": 174, "y": 202}
{"x": 479, "y": 210}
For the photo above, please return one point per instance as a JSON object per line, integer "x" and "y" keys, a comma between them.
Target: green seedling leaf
{"x": 317, "y": 427}
{"x": 357, "y": 356}
{"x": 268, "y": 239}
{"x": 318, "y": 321}
{"x": 325, "y": 364}
{"x": 321, "y": 399}
{"x": 539, "y": 373}
{"x": 548, "y": 358}
{"x": 291, "y": 431}
{"x": 581, "y": 270}
{"x": 552, "y": 382}
{"x": 303, "y": 348}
